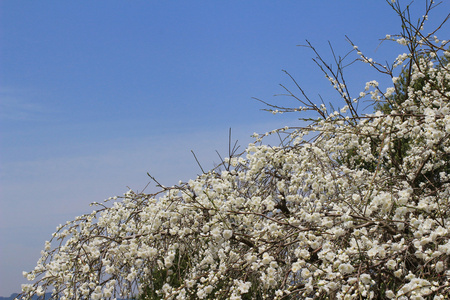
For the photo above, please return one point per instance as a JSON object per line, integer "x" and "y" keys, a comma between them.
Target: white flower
{"x": 227, "y": 234}
{"x": 208, "y": 289}
{"x": 40, "y": 291}
{"x": 439, "y": 266}
{"x": 372, "y": 252}
{"x": 390, "y": 294}
{"x": 402, "y": 41}
{"x": 296, "y": 267}
{"x": 346, "y": 269}
{"x": 365, "y": 278}
{"x": 109, "y": 269}
{"x": 266, "y": 258}
{"x": 306, "y": 273}
{"x": 201, "y": 294}
{"x": 216, "y": 231}
{"x": 85, "y": 268}
{"x": 190, "y": 283}
{"x": 244, "y": 286}
{"x": 389, "y": 91}
{"x": 391, "y": 264}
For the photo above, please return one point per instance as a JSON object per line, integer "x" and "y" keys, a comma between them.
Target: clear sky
{"x": 94, "y": 94}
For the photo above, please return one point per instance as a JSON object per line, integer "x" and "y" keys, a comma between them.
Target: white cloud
{"x": 19, "y": 105}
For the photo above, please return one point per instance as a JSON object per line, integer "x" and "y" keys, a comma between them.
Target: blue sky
{"x": 94, "y": 94}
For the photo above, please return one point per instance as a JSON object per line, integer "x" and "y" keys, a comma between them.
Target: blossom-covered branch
{"x": 360, "y": 211}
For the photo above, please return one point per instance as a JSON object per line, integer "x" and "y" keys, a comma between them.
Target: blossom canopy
{"x": 351, "y": 206}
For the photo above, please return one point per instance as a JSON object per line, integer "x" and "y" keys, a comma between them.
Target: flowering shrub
{"x": 350, "y": 207}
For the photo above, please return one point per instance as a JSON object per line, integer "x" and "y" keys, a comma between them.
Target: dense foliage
{"x": 350, "y": 207}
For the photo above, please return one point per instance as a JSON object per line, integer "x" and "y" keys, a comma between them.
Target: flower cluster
{"x": 349, "y": 207}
